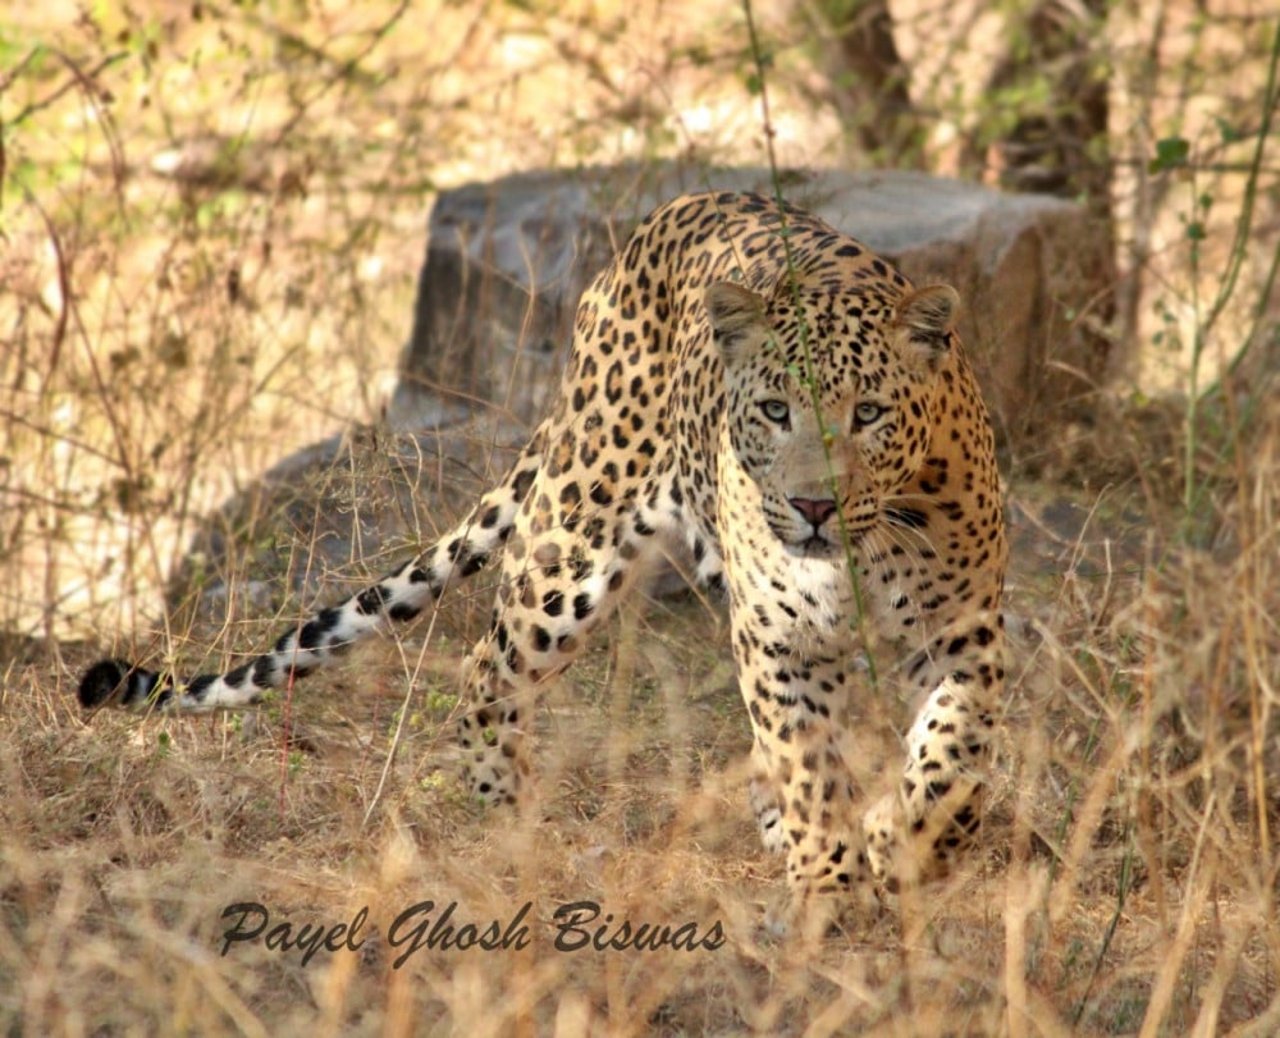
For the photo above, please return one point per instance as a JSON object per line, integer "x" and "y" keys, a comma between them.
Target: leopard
{"x": 765, "y": 394}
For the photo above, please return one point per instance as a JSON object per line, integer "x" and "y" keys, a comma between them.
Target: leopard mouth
{"x": 825, "y": 544}
{"x": 815, "y": 546}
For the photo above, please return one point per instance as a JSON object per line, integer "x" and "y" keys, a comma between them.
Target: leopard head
{"x": 829, "y": 397}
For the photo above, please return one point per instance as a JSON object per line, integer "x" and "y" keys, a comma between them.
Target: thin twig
{"x": 79, "y": 76}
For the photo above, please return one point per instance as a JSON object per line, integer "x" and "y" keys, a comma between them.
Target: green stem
{"x": 809, "y": 380}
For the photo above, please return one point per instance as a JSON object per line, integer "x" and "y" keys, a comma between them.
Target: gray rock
{"x": 507, "y": 260}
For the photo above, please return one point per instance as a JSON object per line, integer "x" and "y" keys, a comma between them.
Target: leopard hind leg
{"x": 558, "y": 584}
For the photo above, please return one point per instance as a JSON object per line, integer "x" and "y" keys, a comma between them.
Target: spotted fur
{"x": 765, "y": 389}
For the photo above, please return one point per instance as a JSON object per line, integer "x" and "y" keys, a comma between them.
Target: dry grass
{"x": 178, "y": 317}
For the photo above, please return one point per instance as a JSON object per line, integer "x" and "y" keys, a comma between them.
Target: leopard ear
{"x": 928, "y": 316}
{"x": 734, "y": 312}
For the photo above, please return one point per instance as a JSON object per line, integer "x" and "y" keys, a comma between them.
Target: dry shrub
{"x": 177, "y": 317}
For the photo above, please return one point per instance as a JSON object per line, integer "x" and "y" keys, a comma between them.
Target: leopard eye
{"x": 776, "y": 411}
{"x": 867, "y": 414}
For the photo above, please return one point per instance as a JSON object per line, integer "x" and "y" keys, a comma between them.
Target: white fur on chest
{"x": 823, "y": 588}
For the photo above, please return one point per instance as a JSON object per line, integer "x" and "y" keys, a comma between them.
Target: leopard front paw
{"x": 882, "y": 826}
{"x": 764, "y": 805}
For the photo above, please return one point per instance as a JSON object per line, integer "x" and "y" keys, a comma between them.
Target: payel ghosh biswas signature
{"x": 575, "y": 926}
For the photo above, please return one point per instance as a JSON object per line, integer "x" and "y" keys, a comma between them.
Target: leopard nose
{"x": 816, "y": 510}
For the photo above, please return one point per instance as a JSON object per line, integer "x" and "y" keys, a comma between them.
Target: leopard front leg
{"x": 802, "y": 790}
{"x": 915, "y": 832}
{"x": 762, "y": 794}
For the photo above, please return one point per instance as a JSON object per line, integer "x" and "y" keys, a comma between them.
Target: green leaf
{"x": 1230, "y": 134}
{"x": 1171, "y": 153}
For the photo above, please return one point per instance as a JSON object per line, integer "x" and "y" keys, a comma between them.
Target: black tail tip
{"x": 103, "y": 681}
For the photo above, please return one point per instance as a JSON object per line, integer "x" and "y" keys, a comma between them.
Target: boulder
{"x": 507, "y": 260}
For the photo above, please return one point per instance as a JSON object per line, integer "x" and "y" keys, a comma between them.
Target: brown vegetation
{"x": 212, "y": 220}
